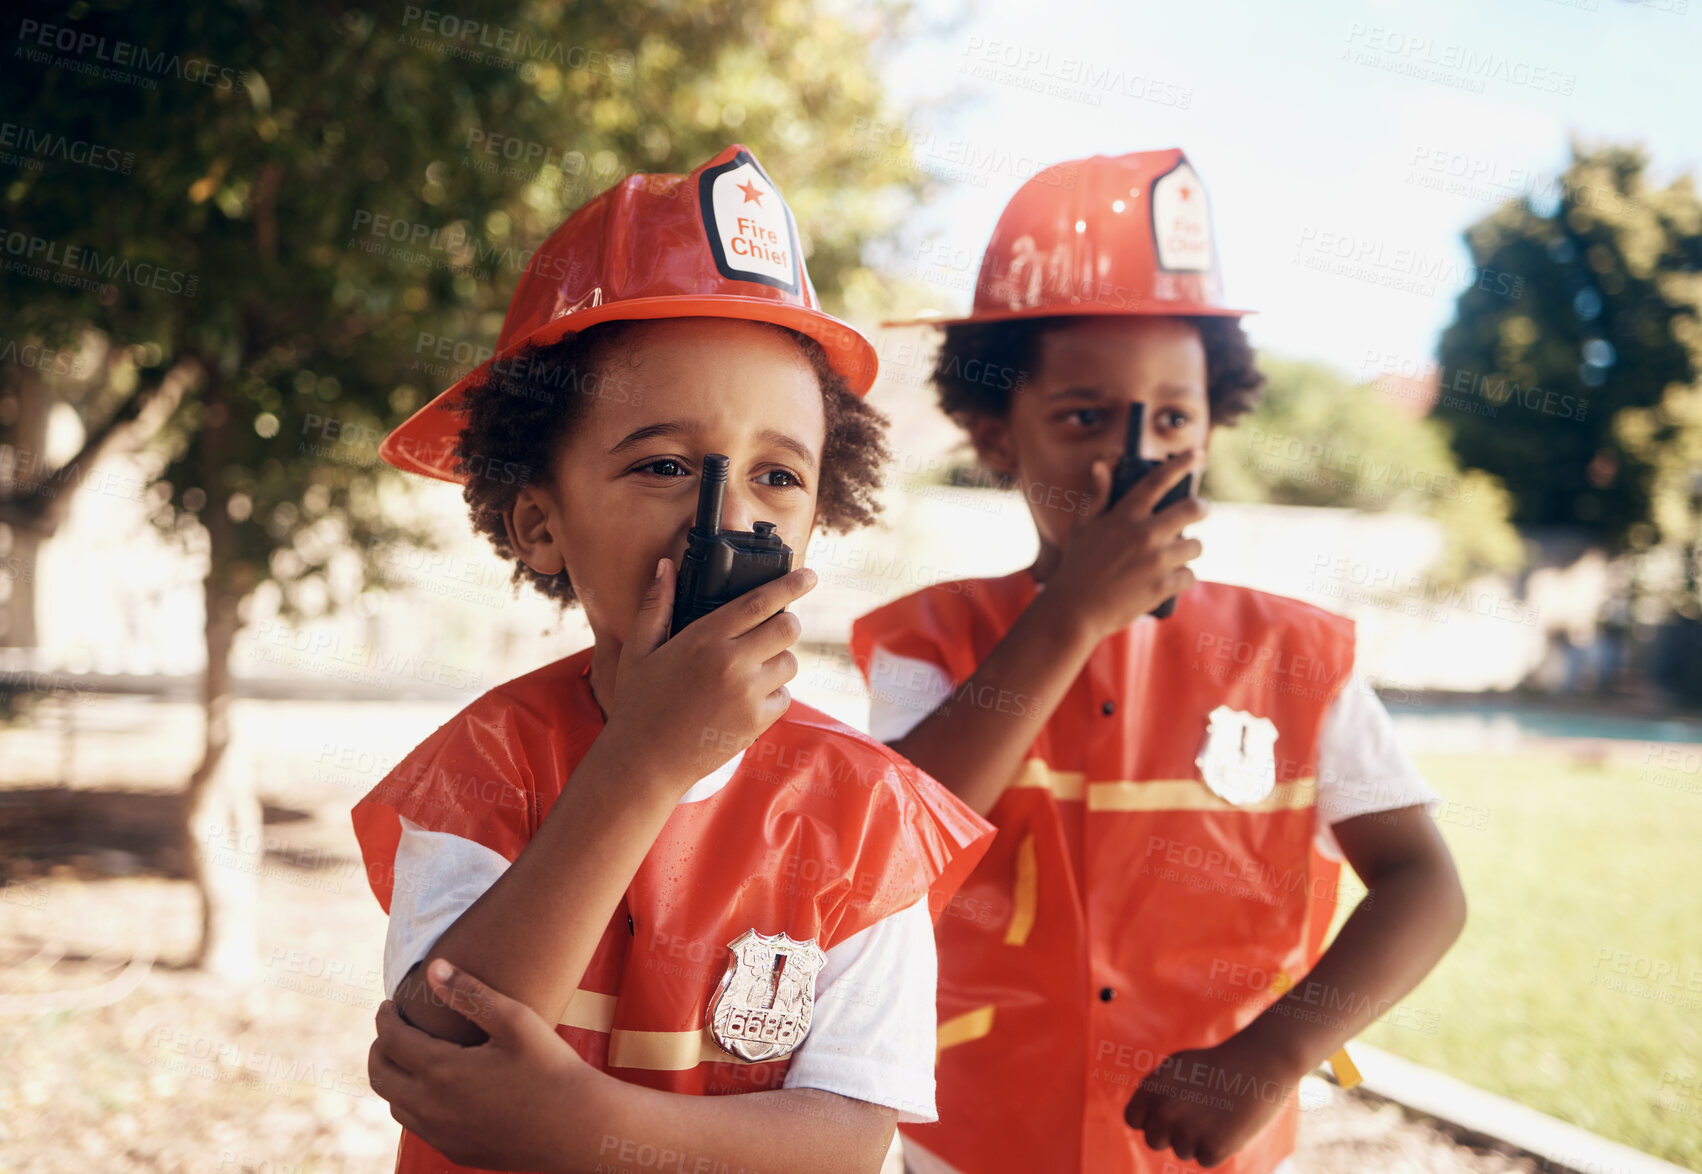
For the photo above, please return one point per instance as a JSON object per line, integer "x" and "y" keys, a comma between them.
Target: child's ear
{"x": 991, "y": 436}
{"x": 528, "y": 523}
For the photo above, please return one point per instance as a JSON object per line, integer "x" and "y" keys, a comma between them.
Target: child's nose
{"x": 741, "y": 510}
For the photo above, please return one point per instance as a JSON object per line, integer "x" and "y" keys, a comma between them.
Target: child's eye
{"x": 1085, "y": 417}
{"x": 1174, "y": 418}
{"x": 786, "y": 479}
{"x": 662, "y": 467}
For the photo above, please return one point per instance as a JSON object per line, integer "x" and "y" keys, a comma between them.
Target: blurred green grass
{"x": 1576, "y": 987}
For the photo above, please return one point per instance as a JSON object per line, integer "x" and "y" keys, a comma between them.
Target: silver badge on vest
{"x": 1239, "y": 759}
{"x": 762, "y": 1009}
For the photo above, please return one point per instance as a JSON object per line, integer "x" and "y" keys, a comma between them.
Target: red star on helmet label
{"x": 750, "y": 228}
{"x": 1181, "y": 222}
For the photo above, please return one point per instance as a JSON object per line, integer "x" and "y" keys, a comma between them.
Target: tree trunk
{"x": 29, "y": 461}
{"x": 18, "y": 569}
{"x": 222, "y": 818}
{"x": 35, "y": 499}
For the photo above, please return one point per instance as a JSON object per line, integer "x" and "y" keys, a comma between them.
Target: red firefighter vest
{"x": 820, "y": 832}
{"x": 1153, "y": 884}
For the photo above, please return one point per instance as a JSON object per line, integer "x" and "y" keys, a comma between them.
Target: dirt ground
{"x": 114, "y": 1057}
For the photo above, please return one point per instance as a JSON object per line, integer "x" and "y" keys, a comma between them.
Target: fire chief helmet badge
{"x": 762, "y": 1009}
{"x": 1239, "y": 759}
{"x": 750, "y": 228}
{"x": 1181, "y": 221}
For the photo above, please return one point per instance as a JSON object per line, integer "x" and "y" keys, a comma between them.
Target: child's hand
{"x": 1123, "y": 560}
{"x": 507, "y": 1104}
{"x": 1206, "y": 1103}
{"x": 685, "y": 706}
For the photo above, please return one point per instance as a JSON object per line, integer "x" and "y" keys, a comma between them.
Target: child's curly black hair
{"x": 524, "y": 407}
{"x": 980, "y": 364}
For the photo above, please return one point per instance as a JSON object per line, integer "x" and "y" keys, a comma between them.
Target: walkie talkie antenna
{"x": 1137, "y": 425}
{"x": 710, "y": 492}
{"x": 1129, "y": 465}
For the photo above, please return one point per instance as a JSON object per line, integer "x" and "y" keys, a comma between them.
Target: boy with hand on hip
{"x": 1172, "y": 795}
{"x": 642, "y": 875}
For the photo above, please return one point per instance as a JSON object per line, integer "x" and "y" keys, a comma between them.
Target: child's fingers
{"x": 777, "y": 670}
{"x": 408, "y": 1121}
{"x": 407, "y": 1047}
{"x": 408, "y": 1109}
{"x": 756, "y": 606}
{"x": 1170, "y": 521}
{"x": 388, "y": 1078}
{"x": 775, "y": 705}
{"x": 1178, "y": 553}
{"x": 1157, "y": 1132}
{"x": 1146, "y": 492}
{"x": 498, "y": 1016}
{"x": 1186, "y": 550}
{"x": 655, "y": 613}
{"x": 1180, "y": 580}
{"x": 771, "y": 637}
{"x": 1134, "y": 1113}
{"x": 1101, "y": 499}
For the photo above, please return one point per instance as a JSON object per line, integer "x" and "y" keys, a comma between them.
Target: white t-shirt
{"x": 1361, "y": 768}
{"x": 872, "y": 1032}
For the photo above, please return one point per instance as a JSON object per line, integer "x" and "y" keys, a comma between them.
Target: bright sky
{"x": 1304, "y": 120}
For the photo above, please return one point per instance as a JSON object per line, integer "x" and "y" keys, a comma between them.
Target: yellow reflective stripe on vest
{"x": 590, "y": 1011}
{"x": 1347, "y": 1072}
{"x": 657, "y": 1051}
{"x": 1027, "y": 893}
{"x": 666, "y": 1051}
{"x": 1157, "y": 794}
{"x": 1193, "y": 795}
{"x": 1064, "y": 784}
{"x": 962, "y": 1029}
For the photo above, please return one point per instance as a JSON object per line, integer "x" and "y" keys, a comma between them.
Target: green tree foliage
{"x": 272, "y": 211}
{"x": 338, "y": 184}
{"x": 1318, "y": 440}
{"x": 1582, "y": 393}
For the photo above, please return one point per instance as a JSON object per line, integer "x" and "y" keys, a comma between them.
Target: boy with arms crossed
{"x": 642, "y": 875}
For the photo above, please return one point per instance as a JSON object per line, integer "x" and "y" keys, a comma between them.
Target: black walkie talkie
{"x": 721, "y": 565}
{"x": 1131, "y": 468}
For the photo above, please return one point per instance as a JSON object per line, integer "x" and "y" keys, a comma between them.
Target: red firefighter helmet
{"x": 1124, "y": 234}
{"x": 717, "y": 243}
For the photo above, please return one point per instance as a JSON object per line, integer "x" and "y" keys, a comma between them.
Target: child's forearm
{"x": 1410, "y": 916}
{"x": 533, "y": 932}
{"x": 805, "y": 1130}
{"x": 975, "y": 742}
